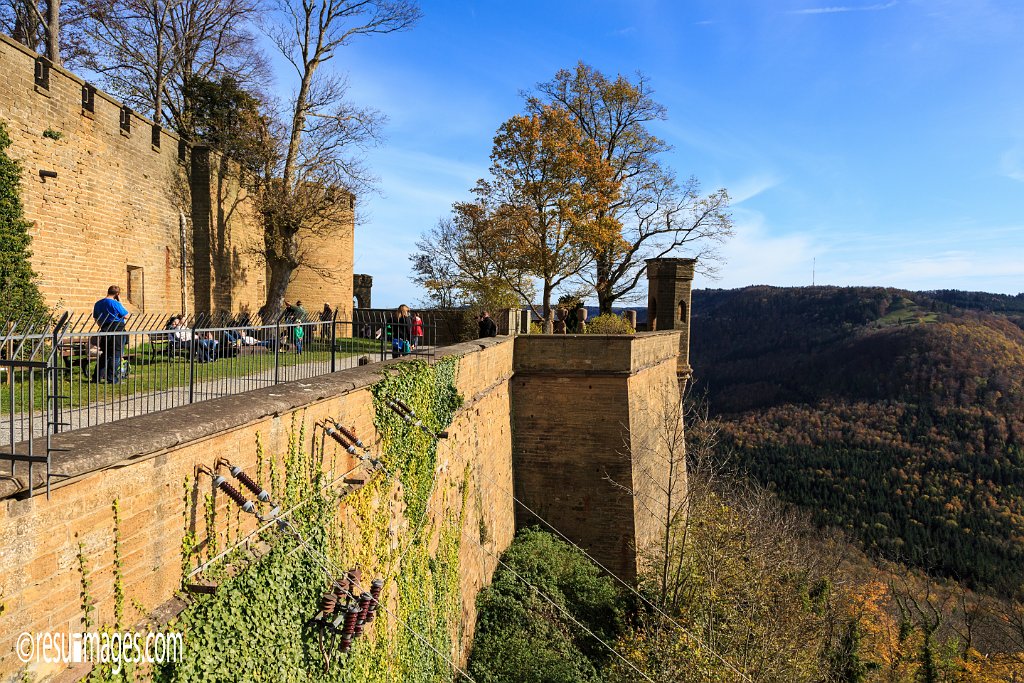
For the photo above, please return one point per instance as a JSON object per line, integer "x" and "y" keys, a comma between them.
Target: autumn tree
{"x": 743, "y": 588}
{"x": 452, "y": 274}
{"x": 658, "y": 215}
{"x": 538, "y": 218}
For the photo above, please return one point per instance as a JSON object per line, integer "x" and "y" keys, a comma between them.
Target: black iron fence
{"x": 64, "y": 373}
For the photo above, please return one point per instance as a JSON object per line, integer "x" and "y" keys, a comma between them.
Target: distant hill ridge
{"x": 897, "y": 415}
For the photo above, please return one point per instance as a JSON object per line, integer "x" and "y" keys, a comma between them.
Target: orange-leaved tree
{"x": 657, "y": 214}
{"x": 542, "y": 214}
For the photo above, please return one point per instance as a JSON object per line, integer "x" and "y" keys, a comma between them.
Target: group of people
{"x": 406, "y": 332}
{"x": 301, "y": 330}
{"x": 203, "y": 344}
{"x": 111, "y": 317}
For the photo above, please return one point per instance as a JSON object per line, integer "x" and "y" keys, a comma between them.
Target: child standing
{"x": 417, "y": 330}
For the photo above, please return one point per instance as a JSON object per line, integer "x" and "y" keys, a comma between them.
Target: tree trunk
{"x": 605, "y": 299}
{"x": 298, "y": 122}
{"x": 26, "y": 24}
{"x": 279, "y": 277}
{"x": 53, "y": 31}
{"x": 549, "y": 322}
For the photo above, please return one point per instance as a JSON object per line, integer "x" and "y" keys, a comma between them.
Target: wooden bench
{"x": 79, "y": 351}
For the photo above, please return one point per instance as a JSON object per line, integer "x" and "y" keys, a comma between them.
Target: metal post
{"x": 334, "y": 341}
{"x": 193, "y": 344}
{"x": 277, "y": 349}
{"x": 53, "y": 366}
{"x": 31, "y": 424}
{"x": 11, "y": 414}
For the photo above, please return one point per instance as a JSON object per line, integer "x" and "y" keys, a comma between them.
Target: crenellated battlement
{"x": 117, "y": 199}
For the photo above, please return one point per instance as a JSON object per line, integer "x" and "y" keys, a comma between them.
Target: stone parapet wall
{"x": 145, "y": 462}
{"x": 568, "y": 423}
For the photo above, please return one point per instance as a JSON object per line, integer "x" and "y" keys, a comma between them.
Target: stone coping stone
{"x": 92, "y": 449}
{"x": 594, "y": 354}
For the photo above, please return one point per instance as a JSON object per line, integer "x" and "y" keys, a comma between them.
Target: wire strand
{"x": 267, "y": 524}
{"x": 326, "y": 564}
{"x": 563, "y": 610}
{"x": 625, "y": 583}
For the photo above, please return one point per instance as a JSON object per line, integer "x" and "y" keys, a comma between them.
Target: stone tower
{"x": 362, "y": 285}
{"x": 669, "y": 282}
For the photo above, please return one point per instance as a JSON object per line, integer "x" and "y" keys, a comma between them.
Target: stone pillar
{"x": 581, "y": 319}
{"x": 361, "y": 287}
{"x": 202, "y": 230}
{"x": 589, "y": 451}
{"x": 669, "y": 282}
{"x": 630, "y": 317}
{"x": 509, "y": 321}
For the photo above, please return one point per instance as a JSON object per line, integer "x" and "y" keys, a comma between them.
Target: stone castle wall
{"x": 562, "y": 422}
{"x": 144, "y": 463}
{"x": 112, "y": 213}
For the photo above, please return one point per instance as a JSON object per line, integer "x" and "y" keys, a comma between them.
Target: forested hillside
{"x": 896, "y": 415}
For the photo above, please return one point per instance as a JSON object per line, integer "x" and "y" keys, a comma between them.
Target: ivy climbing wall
{"x": 110, "y": 548}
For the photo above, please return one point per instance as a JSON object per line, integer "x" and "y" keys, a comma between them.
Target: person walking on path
{"x": 110, "y": 315}
{"x": 488, "y": 328}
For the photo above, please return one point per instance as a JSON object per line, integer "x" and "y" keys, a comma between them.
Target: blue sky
{"x": 883, "y": 140}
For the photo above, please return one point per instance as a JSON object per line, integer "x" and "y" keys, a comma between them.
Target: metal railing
{"x": 64, "y": 373}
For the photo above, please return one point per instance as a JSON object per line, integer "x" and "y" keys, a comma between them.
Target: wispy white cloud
{"x": 839, "y": 9}
{"x": 427, "y": 167}
{"x": 628, "y": 30}
{"x": 990, "y": 271}
{"x": 759, "y": 254}
{"x": 1012, "y": 163}
{"x": 748, "y": 188}
{"x": 993, "y": 262}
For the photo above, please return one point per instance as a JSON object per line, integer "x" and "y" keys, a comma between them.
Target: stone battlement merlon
{"x": 114, "y": 120}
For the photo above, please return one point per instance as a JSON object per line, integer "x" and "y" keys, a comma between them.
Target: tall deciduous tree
{"x": 305, "y": 186}
{"x": 539, "y": 217}
{"x": 148, "y": 51}
{"x": 658, "y": 215}
{"x": 133, "y": 50}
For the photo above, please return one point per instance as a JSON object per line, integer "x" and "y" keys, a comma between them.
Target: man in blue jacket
{"x": 110, "y": 315}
